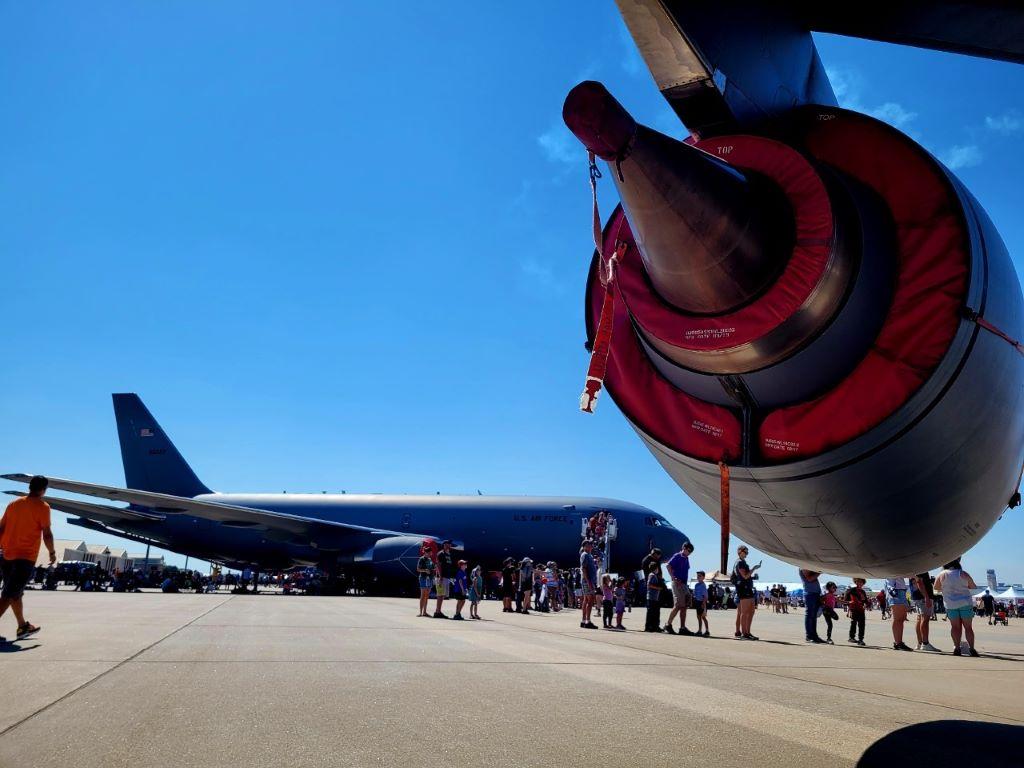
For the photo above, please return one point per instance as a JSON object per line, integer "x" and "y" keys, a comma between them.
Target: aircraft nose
{"x": 676, "y": 539}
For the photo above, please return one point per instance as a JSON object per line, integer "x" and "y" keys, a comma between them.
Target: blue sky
{"x": 343, "y": 246}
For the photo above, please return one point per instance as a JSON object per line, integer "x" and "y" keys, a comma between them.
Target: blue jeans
{"x": 811, "y": 601}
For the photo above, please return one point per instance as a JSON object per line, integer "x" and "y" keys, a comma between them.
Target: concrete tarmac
{"x": 271, "y": 680}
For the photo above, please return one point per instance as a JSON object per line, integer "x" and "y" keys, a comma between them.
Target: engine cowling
{"x": 838, "y": 355}
{"x": 396, "y": 556}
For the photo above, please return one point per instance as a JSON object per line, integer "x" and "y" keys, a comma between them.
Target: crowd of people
{"x": 524, "y": 586}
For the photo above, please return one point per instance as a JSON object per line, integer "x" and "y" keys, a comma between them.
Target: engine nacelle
{"x": 396, "y": 556}
{"x": 825, "y": 308}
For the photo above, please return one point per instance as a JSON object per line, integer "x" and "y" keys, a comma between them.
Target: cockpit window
{"x": 653, "y": 522}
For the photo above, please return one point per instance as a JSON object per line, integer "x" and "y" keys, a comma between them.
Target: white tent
{"x": 1010, "y": 594}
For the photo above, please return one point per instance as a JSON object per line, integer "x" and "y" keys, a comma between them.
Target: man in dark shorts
{"x": 988, "y": 603}
{"x": 20, "y": 529}
{"x": 445, "y": 574}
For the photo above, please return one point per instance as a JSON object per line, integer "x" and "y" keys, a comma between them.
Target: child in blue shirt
{"x": 700, "y": 603}
{"x": 460, "y": 586}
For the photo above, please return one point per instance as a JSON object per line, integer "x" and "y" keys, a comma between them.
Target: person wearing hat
{"x": 525, "y": 591}
{"x": 459, "y": 588}
{"x": 425, "y": 573}
{"x": 445, "y": 571}
{"x": 743, "y": 579}
{"x": 856, "y": 600}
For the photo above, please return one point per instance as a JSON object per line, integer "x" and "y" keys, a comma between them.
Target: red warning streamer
{"x": 970, "y": 314}
{"x": 606, "y": 273}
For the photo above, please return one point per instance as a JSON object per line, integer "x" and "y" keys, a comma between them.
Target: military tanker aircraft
{"x": 373, "y": 535}
{"x": 810, "y": 321}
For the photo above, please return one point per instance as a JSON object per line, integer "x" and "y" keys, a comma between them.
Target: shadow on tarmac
{"x": 942, "y": 743}
{"x": 11, "y": 646}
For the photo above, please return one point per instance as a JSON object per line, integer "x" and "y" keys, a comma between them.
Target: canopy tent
{"x": 1010, "y": 594}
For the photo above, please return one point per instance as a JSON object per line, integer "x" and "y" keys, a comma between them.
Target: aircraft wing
{"x": 317, "y": 532}
{"x": 724, "y": 65}
{"x": 85, "y": 509}
{"x": 992, "y": 29}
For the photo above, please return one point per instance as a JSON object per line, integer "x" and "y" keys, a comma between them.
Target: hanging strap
{"x": 606, "y": 274}
{"x": 974, "y": 317}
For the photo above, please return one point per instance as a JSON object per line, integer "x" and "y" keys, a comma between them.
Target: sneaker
{"x": 439, "y": 615}
{"x": 852, "y": 640}
{"x": 828, "y": 640}
{"x": 929, "y": 647}
{"x": 957, "y": 651}
{"x": 590, "y": 625}
{"x": 917, "y": 647}
{"x": 974, "y": 653}
{"x": 901, "y": 647}
{"x": 861, "y": 642}
{"x": 526, "y": 612}
{"x": 684, "y": 631}
{"x": 669, "y": 629}
{"x": 737, "y": 635}
{"x": 27, "y": 629}
{"x": 583, "y": 624}
{"x": 815, "y": 640}
{"x": 748, "y": 636}
{"x": 707, "y": 634}
{"x": 457, "y": 617}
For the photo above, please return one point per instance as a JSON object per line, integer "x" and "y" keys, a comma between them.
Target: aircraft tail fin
{"x": 151, "y": 462}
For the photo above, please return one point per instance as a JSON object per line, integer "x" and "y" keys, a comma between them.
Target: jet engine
{"x": 396, "y": 556}
{"x": 822, "y": 307}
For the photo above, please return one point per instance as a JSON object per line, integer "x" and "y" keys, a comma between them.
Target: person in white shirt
{"x": 956, "y": 584}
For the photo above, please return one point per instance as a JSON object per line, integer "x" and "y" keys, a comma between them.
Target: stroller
{"x": 1000, "y": 618}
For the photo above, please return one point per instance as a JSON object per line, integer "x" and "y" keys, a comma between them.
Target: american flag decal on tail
{"x": 145, "y": 432}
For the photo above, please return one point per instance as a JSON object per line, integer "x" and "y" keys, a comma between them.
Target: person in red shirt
{"x": 22, "y": 523}
{"x": 856, "y": 600}
{"x": 883, "y": 604}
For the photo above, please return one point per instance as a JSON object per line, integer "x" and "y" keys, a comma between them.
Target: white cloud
{"x": 540, "y": 278}
{"x": 848, "y": 85}
{"x": 962, "y": 156}
{"x": 893, "y": 114}
{"x": 1007, "y": 123}
{"x": 560, "y": 146}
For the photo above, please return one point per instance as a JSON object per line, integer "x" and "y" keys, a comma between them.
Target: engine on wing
{"x": 825, "y": 308}
{"x": 396, "y": 556}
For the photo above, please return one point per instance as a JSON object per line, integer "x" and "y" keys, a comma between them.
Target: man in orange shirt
{"x": 22, "y": 523}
